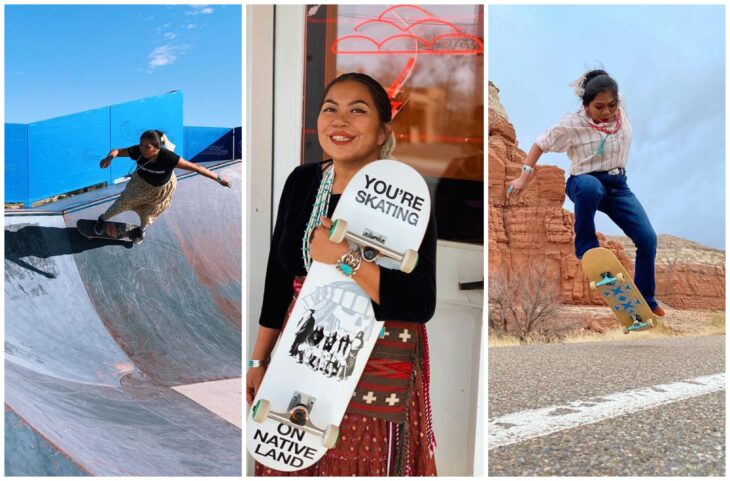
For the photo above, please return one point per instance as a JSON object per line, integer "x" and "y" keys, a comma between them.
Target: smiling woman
{"x": 353, "y": 128}
{"x": 354, "y": 121}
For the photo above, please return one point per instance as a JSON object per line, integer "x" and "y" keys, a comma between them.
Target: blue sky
{"x": 65, "y": 59}
{"x": 669, "y": 62}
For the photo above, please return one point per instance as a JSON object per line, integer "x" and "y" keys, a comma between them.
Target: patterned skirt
{"x": 369, "y": 446}
{"x": 147, "y": 200}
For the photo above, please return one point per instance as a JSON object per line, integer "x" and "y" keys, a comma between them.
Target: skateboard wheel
{"x": 329, "y": 438}
{"x": 338, "y": 231}
{"x": 620, "y": 276}
{"x": 409, "y": 262}
{"x": 626, "y": 330}
{"x": 593, "y": 285}
{"x": 651, "y": 322}
{"x": 261, "y": 410}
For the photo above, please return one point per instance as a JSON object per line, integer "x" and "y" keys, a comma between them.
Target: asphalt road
{"x": 679, "y": 438}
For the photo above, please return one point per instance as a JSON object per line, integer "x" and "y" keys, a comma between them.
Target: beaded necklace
{"x": 319, "y": 209}
{"x": 601, "y": 146}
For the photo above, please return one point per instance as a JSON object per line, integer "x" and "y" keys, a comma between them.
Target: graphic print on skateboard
{"x": 112, "y": 230}
{"x": 609, "y": 277}
{"x": 332, "y": 330}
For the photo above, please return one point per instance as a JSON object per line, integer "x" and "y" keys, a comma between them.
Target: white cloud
{"x": 170, "y": 35}
{"x": 165, "y": 55}
{"x": 200, "y": 10}
{"x": 191, "y": 26}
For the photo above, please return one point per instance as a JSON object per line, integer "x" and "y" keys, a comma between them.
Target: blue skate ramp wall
{"x": 16, "y": 162}
{"x": 207, "y": 144}
{"x": 62, "y": 154}
{"x": 62, "y": 151}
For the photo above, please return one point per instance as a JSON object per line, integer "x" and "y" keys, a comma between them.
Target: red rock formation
{"x": 689, "y": 275}
{"x": 691, "y": 286}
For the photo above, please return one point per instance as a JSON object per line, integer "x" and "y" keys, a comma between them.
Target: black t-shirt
{"x": 155, "y": 173}
{"x": 403, "y": 297}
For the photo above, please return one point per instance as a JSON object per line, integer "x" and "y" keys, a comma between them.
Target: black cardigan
{"x": 403, "y": 297}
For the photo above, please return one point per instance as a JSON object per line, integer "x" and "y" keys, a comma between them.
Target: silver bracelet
{"x": 256, "y": 363}
{"x": 349, "y": 263}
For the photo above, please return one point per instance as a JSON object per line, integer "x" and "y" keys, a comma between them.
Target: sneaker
{"x": 137, "y": 235}
{"x": 658, "y": 311}
{"x": 99, "y": 226}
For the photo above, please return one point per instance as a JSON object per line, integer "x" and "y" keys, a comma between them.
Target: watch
{"x": 526, "y": 168}
{"x": 349, "y": 263}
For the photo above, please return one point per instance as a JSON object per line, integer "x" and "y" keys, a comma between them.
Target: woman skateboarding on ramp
{"x": 597, "y": 138}
{"x": 149, "y": 190}
{"x": 354, "y": 128}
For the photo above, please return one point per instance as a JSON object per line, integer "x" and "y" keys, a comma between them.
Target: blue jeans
{"x": 611, "y": 195}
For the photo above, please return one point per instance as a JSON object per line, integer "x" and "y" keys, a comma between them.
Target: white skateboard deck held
{"x": 326, "y": 343}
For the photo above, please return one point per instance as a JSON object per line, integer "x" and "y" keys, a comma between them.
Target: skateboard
{"x": 323, "y": 349}
{"x": 112, "y": 230}
{"x": 614, "y": 284}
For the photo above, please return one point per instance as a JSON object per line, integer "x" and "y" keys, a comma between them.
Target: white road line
{"x": 520, "y": 426}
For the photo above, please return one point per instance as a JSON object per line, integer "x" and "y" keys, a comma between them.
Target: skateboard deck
{"x": 323, "y": 349}
{"x": 609, "y": 278}
{"x": 112, "y": 230}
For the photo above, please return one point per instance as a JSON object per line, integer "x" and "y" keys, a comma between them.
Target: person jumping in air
{"x": 149, "y": 190}
{"x": 597, "y": 138}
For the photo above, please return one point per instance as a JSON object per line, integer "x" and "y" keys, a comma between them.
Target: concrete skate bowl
{"x": 98, "y": 333}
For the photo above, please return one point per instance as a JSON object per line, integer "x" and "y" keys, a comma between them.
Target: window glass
{"x": 430, "y": 60}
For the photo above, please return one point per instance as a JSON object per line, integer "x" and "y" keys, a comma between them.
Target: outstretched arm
{"x": 184, "y": 164}
{"x": 530, "y": 161}
{"x": 106, "y": 161}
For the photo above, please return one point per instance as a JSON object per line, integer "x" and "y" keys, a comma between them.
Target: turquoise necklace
{"x": 601, "y": 147}
{"x": 319, "y": 209}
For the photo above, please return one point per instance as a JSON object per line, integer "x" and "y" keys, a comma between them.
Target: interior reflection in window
{"x": 430, "y": 60}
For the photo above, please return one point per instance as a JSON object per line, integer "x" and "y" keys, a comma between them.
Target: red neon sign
{"x": 429, "y": 47}
{"x": 406, "y": 32}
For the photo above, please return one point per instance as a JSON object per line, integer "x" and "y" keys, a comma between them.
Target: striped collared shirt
{"x": 573, "y": 134}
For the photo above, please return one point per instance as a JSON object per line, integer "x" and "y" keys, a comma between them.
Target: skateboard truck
{"x": 607, "y": 279}
{"x": 297, "y": 417}
{"x": 638, "y": 324}
{"x": 371, "y": 249}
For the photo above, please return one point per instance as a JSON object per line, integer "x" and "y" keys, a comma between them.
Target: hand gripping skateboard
{"x": 323, "y": 349}
{"x": 112, "y": 230}
{"x": 609, "y": 277}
